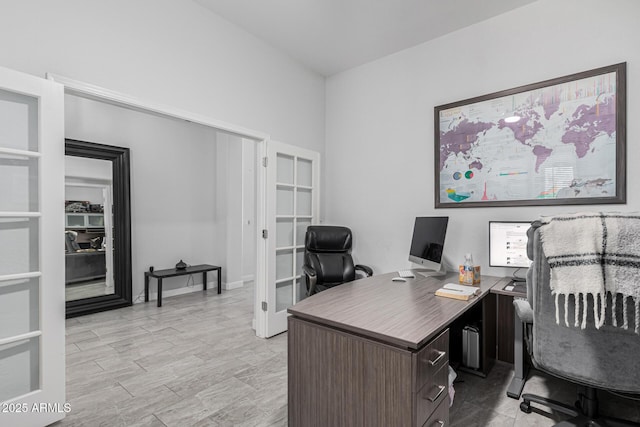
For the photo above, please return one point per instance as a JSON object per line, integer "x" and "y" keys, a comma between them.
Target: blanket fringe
{"x": 614, "y": 313}
{"x": 599, "y": 315}
{"x": 637, "y": 330}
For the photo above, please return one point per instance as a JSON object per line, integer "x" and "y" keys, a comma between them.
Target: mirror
{"x": 97, "y": 228}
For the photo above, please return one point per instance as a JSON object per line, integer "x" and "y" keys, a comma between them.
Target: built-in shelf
{"x": 84, "y": 220}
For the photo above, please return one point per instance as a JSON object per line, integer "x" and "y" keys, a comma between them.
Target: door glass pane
{"x": 19, "y": 248}
{"x": 284, "y": 201}
{"x": 304, "y": 172}
{"x": 303, "y": 203}
{"x": 19, "y": 304}
{"x": 299, "y": 261}
{"x": 18, "y": 121}
{"x": 284, "y": 169}
{"x": 302, "y": 289}
{"x": 18, "y": 183}
{"x": 284, "y": 264}
{"x": 284, "y": 232}
{"x": 19, "y": 368}
{"x": 284, "y": 295}
{"x": 301, "y": 230}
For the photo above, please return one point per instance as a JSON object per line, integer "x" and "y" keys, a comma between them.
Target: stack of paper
{"x": 455, "y": 291}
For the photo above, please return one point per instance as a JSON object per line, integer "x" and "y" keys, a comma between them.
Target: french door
{"x": 293, "y": 203}
{"x": 32, "y": 307}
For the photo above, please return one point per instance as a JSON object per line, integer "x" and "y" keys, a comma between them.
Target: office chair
{"x": 71, "y": 245}
{"x": 327, "y": 258}
{"x": 592, "y": 354}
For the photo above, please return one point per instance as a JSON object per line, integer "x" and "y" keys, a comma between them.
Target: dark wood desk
{"x": 84, "y": 266}
{"x": 374, "y": 352}
{"x": 174, "y": 272}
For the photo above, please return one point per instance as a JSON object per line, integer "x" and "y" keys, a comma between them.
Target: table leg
{"x": 146, "y": 288}
{"x": 220, "y": 280}
{"x": 159, "y": 292}
{"x": 204, "y": 280}
{"x": 520, "y": 369}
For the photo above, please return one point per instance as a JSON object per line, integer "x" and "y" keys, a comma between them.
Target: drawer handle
{"x": 440, "y": 390}
{"x": 435, "y": 361}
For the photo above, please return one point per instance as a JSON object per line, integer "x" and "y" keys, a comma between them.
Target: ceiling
{"x": 330, "y": 36}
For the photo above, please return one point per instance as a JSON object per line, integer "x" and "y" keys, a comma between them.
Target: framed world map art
{"x": 557, "y": 142}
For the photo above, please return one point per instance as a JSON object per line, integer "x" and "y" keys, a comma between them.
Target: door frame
{"x": 86, "y": 90}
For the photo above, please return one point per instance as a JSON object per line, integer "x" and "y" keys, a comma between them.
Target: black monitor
{"x": 508, "y": 244}
{"x": 427, "y": 242}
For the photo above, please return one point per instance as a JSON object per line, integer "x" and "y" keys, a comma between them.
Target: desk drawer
{"x": 430, "y": 359}
{"x": 432, "y": 394}
{"x": 440, "y": 417}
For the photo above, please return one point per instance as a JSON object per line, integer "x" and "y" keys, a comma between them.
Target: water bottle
{"x": 468, "y": 269}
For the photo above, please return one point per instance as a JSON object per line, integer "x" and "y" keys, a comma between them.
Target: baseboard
{"x": 211, "y": 287}
{"x": 232, "y": 285}
{"x": 153, "y": 296}
{"x": 248, "y": 278}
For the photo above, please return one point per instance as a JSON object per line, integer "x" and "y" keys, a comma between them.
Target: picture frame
{"x": 557, "y": 142}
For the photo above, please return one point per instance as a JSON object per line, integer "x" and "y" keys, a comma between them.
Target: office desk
{"x": 374, "y": 352}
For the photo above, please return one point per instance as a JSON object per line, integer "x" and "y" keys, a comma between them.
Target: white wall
{"x": 82, "y": 170}
{"x": 83, "y": 167}
{"x": 229, "y": 206}
{"x": 379, "y": 151}
{"x": 249, "y": 225}
{"x": 173, "y": 52}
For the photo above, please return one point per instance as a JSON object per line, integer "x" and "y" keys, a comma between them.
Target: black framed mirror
{"x": 97, "y": 228}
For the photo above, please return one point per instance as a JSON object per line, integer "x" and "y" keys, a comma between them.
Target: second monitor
{"x": 427, "y": 243}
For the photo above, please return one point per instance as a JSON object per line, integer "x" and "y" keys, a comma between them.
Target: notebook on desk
{"x": 456, "y": 291}
{"x": 517, "y": 287}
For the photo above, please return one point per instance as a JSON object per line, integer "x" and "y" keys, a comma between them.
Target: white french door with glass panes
{"x": 32, "y": 305}
{"x": 293, "y": 203}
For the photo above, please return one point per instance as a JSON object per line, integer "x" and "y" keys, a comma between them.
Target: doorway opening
{"x": 187, "y": 192}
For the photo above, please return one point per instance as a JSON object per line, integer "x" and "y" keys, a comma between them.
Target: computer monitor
{"x": 508, "y": 244}
{"x": 427, "y": 242}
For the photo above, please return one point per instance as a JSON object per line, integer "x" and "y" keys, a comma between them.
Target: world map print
{"x": 552, "y": 142}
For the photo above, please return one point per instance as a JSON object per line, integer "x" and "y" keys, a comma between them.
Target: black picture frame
{"x": 452, "y": 147}
{"x": 122, "y": 296}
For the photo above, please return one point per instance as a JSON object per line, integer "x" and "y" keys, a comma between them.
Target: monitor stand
{"x": 425, "y": 272}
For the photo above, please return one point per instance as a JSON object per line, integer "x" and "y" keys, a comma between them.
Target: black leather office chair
{"x": 327, "y": 258}
{"x": 594, "y": 358}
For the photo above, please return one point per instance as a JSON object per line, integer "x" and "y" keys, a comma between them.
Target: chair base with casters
{"x": 584, "y": 413}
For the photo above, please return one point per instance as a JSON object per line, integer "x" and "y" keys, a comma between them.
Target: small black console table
{"x": 174, "y": 272}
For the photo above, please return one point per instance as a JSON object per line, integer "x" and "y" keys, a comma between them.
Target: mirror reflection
{"x": 88, "y": 228}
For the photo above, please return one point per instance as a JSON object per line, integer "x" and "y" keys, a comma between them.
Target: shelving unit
{"x": 82, "y": 220}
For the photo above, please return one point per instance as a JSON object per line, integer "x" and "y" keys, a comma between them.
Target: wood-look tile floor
{"x": 195, "y": 361}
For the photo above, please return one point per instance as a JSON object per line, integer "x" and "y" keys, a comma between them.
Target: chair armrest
{"x": 366, "y": 269}
{"x": 309, "y": 271}
{"x": 523, "y": 310}
{"x": 312, "y": 279}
